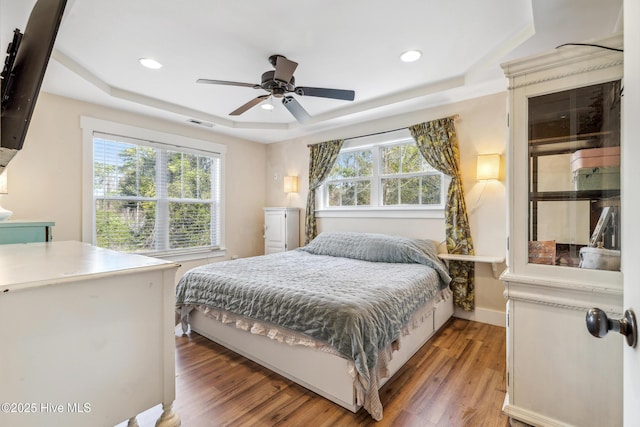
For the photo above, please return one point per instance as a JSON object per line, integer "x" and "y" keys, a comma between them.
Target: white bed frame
{"x": 330, "y": 376}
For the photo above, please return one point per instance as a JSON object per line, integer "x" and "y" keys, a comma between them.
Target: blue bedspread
{"x": 353, "y": 291}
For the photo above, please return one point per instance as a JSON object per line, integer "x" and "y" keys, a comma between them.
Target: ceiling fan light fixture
{"x": 150, "y": 63}
{"x": 278, "y": 83}
{"x": 410, "y": 56}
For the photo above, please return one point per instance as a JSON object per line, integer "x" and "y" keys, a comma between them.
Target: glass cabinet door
{"x": 574, "y": 177}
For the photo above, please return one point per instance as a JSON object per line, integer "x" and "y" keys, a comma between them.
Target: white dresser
{"x": 87, "y": 335}
{"x": 281, "y": 229}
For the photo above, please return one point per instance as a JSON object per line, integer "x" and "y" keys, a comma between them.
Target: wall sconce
{"x": 4, "y": 213}
{"x": 290, "y": 184}
{"x": 488, "y": 167}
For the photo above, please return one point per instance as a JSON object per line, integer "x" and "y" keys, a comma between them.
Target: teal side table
{"x": 15, "y": 231}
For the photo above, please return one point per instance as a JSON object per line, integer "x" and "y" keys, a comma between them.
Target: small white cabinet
{"x": 281, "y": 229}
{"x": 561, "y": 104}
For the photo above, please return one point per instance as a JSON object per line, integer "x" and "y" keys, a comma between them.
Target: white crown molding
{"x": 126, "y": 95}
{"x": 365, "y": 107}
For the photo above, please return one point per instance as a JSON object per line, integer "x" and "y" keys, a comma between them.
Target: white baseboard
{"x": 483, "y": 315}
{"x": 520, "y": 417}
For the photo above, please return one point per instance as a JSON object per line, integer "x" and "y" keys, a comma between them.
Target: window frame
{"x": 354, "y": 179}
{"x": 155, "y": 139}
{"x": 377, "y": 209}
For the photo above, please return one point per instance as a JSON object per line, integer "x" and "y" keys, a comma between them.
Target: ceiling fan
{"x": 279, "y": 83}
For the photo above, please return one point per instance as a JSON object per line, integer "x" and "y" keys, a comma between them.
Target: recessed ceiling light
{"x": 150, "y": 63}
{"x": 410, "y": 56}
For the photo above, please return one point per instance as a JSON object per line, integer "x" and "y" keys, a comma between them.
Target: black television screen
{"x": 21, "y": 82}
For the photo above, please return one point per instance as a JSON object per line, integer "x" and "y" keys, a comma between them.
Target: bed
{"x": 339, "y": 316}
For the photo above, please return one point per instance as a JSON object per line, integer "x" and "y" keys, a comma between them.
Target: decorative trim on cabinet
{"x": 555, "y": 59}
{"x": 520, "y": 417}
{"x": 568, "y": 296}
{"x": 569, "y": 74}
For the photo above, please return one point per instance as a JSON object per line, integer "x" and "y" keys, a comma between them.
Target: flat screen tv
{"x": 25, "y": 64}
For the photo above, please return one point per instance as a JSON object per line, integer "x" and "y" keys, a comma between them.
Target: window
{"x": 407, "y": 179}
{"x": 388, "y": 174}
{"x": 349, "y": 182}
{"x": 149, "y": 197}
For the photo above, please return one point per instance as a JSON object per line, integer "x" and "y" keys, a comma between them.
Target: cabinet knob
{"x": 599, "y": 325}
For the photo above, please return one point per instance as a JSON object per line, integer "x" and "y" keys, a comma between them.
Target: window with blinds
{"x": 154, "y": 198}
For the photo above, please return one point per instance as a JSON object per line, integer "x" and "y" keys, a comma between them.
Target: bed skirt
{"x": 312, "y": 363}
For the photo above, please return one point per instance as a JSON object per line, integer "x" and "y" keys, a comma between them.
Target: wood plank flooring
{"x": 456, "y": 379}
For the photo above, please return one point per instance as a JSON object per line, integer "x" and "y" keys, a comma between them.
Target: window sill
{"x": 192, "y": 256}
{"x": 381, "y": 213}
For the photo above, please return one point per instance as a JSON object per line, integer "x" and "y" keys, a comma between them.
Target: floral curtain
{"x": 321, "y": 159}
{"x": 438, "y": 144}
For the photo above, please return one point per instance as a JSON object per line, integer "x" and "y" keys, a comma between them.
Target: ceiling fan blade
{"x": 346, "y": 95}
{"x": 284, "y": 69}
{"x": 227, "y": 83}
{"x": 296, "y": 109}
{"x": 248, "y": 105}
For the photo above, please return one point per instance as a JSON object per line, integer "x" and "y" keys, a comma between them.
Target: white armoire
{"x": 563, "y": 182}
{"x": 281, "y": 229}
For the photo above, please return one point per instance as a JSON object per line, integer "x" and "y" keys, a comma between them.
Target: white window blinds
{"x": 154, "y": 198}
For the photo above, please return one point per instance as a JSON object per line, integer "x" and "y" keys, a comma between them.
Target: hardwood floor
{"x": 456, "y": 379}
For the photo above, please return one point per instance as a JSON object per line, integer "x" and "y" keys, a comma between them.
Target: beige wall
{"x": 481, "y": 129}
{"x": 44, "y": 178}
